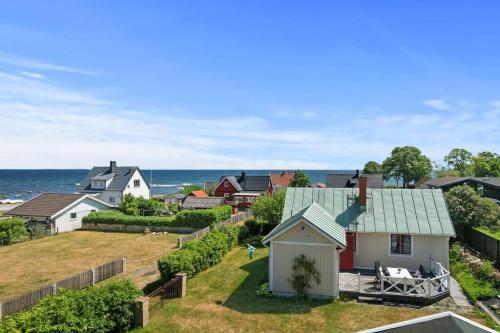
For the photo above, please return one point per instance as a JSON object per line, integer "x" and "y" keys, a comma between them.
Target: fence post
{"x": 124, "y": 264}
{"x": 183, "y": 278}
{"x": 1, "y": 310}
{"x": 93, "y": 276}
{"x": 382, "y": 282}
{"x": 359, "y": 282}
{"x": 179, "y": 242}
{"x": 141, "y": 311}
{"x": 428, "y": 287}
{"x": 54, "y": 289}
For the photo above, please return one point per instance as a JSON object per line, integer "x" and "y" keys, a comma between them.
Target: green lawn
{"x": 222, "y": 299}
{"x": 495, "y": 235}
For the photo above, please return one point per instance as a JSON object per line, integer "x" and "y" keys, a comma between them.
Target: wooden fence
{"x": 483, "y": 243}
{"x": 157, "y": 299}
{"x": 235, "y": 218}
{"x": 77, "y": 281}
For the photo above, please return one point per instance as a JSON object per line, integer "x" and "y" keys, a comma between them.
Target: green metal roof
{"x": 319, "y": 217}
{"x": 407, "y": 211}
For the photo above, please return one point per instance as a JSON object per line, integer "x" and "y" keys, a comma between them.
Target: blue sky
{"x": 253, "y": 85}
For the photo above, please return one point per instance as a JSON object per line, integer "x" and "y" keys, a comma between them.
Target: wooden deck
{"x": 428, "y": 289}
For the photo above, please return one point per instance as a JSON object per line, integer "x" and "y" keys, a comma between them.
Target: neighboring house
{"x": 344, "y": 229}
{"x": 202, "y": 202}
{"x": 241, "y": 191}
{"x": 61, "y": 212}
{"x": 488, "y": 187}
{"x": 174, "y": 198}
{"x": 281, "y": 179}
{"x": 111, "y": 184}
{"x": 198, "y": 193}
{"x": 444, "y": 322}
{"x": 350, "y": 179}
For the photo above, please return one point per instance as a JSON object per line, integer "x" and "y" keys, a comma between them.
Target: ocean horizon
{"x": 26, "y": 183}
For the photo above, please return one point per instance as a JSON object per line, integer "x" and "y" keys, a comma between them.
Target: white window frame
{"x": 138, "y": 183}
{"x": 412, "y": 242}
{"x": 226, "y": 183}
{"x": 71, "y": 216}
{"x": 112, "y": 200}
{"x": 226, "y": 195}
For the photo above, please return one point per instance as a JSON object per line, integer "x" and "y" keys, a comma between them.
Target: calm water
{"x": 25, "y": 184}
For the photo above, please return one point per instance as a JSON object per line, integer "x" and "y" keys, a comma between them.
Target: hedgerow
{"x": 197, "y": 255}
{"x": 105, "y": 309}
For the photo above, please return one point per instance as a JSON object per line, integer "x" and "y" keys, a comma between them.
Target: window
{"x": 226, "y": 196}
{"x": 137, "y": 182}
{"x": 72, "y": 216}
{"x": 111, "y": 199}
{"x": 400, "y": 244}
{"x": 249, "y": 199}
{"x": 226, "y": 184}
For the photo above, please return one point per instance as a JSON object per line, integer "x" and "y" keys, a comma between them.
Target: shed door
{"x": 347, "y": 256}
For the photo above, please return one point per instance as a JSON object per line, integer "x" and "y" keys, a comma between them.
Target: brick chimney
{"x": 112, "y": 166}
{"x": 362, "y": 192}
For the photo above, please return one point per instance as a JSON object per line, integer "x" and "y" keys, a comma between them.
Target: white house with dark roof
{"x": 60, "y": 212}
{"x": 111, "y": 183}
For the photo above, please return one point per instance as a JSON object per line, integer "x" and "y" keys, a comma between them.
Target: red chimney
{"x": 362, "y": 192}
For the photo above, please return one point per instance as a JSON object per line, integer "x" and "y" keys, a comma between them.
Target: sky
{"x": 245, "y": 84}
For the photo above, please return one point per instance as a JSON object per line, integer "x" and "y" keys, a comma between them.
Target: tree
{"x": 303, "y": 273}
{"x": 300, "y": 179}
{"x": 269, "y": 208}
{"x": 129, "y": 205}
{"x": 464, "y": 205}
{"x": 486, "y": 164}
{"x": 12, "y": 229}
{"x": 461, "y": 160}
{"x": 190, "y": 188}
{"x": 447, "y": 173}
{"x": 372, "y": 167}
{"x": 406, "y": 163}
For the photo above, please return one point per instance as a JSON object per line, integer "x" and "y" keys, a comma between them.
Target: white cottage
{"x": 348, "y": 229}
{"x": 111, "y": 183}
{"x": 61, "y": 212}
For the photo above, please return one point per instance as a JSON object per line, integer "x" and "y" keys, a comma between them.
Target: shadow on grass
{"x": 245, "y": 300}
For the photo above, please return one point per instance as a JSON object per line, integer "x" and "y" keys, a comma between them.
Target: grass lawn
{"x": 27, "y": 265}
{"x": 495, "y": 235}
{"x": 222, "y": 299}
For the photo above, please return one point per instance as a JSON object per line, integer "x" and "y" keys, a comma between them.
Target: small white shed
{"x": 61, "y": 211}
{"x": 314, "y": 233}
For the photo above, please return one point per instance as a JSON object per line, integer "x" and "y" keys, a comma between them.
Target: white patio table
{"x": 399, "y": 273}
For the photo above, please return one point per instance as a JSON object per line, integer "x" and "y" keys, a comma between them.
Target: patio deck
{"x": 430, "y": 288}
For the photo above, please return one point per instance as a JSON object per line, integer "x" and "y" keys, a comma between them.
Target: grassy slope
{"x": 495, "y": 235}
{"x": 222, "y": 299}
{"x": 26, "y": 265}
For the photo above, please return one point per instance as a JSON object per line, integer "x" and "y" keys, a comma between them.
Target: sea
{"x": 26, "y": 183}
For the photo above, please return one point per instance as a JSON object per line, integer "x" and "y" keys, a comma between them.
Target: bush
{"x": 105, "y": 309}
{"x": 263, "y": 290}
{"x": 257, "y": 227}
{"x": 12, "y": 229}
{"x": 197, "y": 255}
{"x": 131, "y": 205}
{"x": 115, "y": 217}
{"x": 201, "y": 218}
{"x": 269, "y": 208}
{"x": 304, "y": 272}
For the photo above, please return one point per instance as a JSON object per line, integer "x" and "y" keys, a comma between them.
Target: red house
{"x": 240, "y": 191}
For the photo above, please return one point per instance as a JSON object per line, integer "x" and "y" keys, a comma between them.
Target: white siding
{"x": 105, "y": 195}
{"x": 64, "y": 222}
{"x": 141, "y": 191}
{"x": 372, "y": 247}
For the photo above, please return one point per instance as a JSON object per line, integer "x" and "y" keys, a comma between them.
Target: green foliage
{"x": 486, "y": 164}
{"x": 476, "y": 283}
{"x": 269, "y": 208}
{"x": 460, "y": 160}
{"x": 372, "y": 167}
{"x": 190, "y": 188}
{"x": 258, "y": 227}
{"x": 12, "y": 229}
{"x": 406, "y": 163}
{"x": 131, "y": 205}
{"x": 300, "y": 179}
{"x": 173, "y": 207}
{"x": 263, "y": 291}
{"x": 447, "y": 173}
{"x": 468, "y": 209}
{"x": 105, "y": 309}
{"x": 304, "y": 273}
{"x": 196, "y": 219}
{"x": 197, "y": 255}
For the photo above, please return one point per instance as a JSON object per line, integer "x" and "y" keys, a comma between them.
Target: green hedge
{"x": 105, "y": 309}
{"x": 196, "y": 219}
{"x": 258, "y": 227}
{"x": 197, "y": 255}
{"x": 12, "y": 229}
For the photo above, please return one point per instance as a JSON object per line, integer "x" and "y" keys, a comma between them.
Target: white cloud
{"x": 286, "y": 113}
{"x": 40, "y": 65}
{"x": 32, "y": 75}
{"x": 438, "y": 104}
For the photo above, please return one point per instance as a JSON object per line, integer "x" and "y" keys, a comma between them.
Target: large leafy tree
{"x": 372, "y": 167}
{"x": 408, "y": 164}
{"x": 269, "y": 208}
{"x": 461, "y": 160}
{"x": 190, "y": 188}
{"x": 300, "y": 179}
{"x": 486, "y": 164}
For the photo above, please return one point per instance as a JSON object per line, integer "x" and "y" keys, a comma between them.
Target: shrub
{"x": 303, "y": 273}
{"x": 263, "y": 290}
{"x": 131, "y": 205}
{"x": 201, "y": 218}
{"x": 197, "y": 255}
{"x": 105, "y": 309}
{"x": 12, "y": 229}
{"x": 269, "y": 208}
{"x": 115, "y": 217}
{"x": 257, "y": 227}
